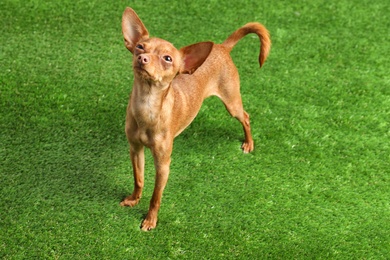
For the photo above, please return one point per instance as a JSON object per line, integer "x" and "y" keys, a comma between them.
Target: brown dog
{"x": 169, "y": 88}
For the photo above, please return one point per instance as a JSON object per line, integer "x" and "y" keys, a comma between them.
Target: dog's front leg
{"x": 138, "y": 161}
{"x": 162, "y": 159}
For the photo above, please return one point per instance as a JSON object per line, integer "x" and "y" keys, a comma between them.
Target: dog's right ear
{"x": 133, "y": 29}
{"x": 194, "y": 55}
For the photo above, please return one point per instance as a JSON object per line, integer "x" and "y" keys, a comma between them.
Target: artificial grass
{"x": 317, "y": 185}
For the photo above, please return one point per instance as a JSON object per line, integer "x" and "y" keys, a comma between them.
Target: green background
{"x": 316, "y": 186}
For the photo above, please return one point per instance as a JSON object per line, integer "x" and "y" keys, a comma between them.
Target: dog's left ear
{"x": 194, "y": 55}
{"x": 133, "y": 29}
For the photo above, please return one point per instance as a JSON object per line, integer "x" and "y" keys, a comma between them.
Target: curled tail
{"x": 256, "y": 28}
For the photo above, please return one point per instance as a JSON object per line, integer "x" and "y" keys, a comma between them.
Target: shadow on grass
{"x": 63, "y": 157}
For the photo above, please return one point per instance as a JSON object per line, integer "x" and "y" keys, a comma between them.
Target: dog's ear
{"x": 133, "y": 29}
{"x": 194, "y": 55}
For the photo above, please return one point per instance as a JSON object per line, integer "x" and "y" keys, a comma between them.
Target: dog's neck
{"x": 151, "y": 99}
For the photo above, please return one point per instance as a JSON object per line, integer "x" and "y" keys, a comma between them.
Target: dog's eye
{"x": 139, "y": 46}
{"x": 167, "y": 58}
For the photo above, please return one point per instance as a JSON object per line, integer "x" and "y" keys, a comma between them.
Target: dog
{"x": 168, "y": 90}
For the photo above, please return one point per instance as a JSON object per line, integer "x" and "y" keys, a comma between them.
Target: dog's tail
{"x": 256, "y": 28}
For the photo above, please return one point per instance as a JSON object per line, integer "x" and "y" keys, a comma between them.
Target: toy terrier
{"x": 168, "y": 90}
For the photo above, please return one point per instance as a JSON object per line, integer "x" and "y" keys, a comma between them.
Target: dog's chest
{"x": 146, "y": 111}
{"x": 151, "y": 124}
{"x": 150, "y": 135}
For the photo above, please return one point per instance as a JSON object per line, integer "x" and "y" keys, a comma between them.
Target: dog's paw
{"x": 129, "y": 202}
{"x": 247, "y": 147}
{"x": 148, "y": 225}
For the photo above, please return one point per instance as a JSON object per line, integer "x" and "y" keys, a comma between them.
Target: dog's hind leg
{"x": 231, "y": 97}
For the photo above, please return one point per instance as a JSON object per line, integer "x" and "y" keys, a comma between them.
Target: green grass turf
{"x": 317, "y": 185}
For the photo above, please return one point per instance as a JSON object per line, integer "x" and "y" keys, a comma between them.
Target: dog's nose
{"x": 143, "y": 59}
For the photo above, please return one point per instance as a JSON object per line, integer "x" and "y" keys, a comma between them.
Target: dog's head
{"x": 158, "y": 60}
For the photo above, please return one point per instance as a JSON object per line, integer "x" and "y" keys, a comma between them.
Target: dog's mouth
{"x": 141, "y": 71}
{"x": 138, "y": 67}
{"x": 145, "y": 74}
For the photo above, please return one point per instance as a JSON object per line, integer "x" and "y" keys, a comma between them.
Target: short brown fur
{"x": 168, "y": 90}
